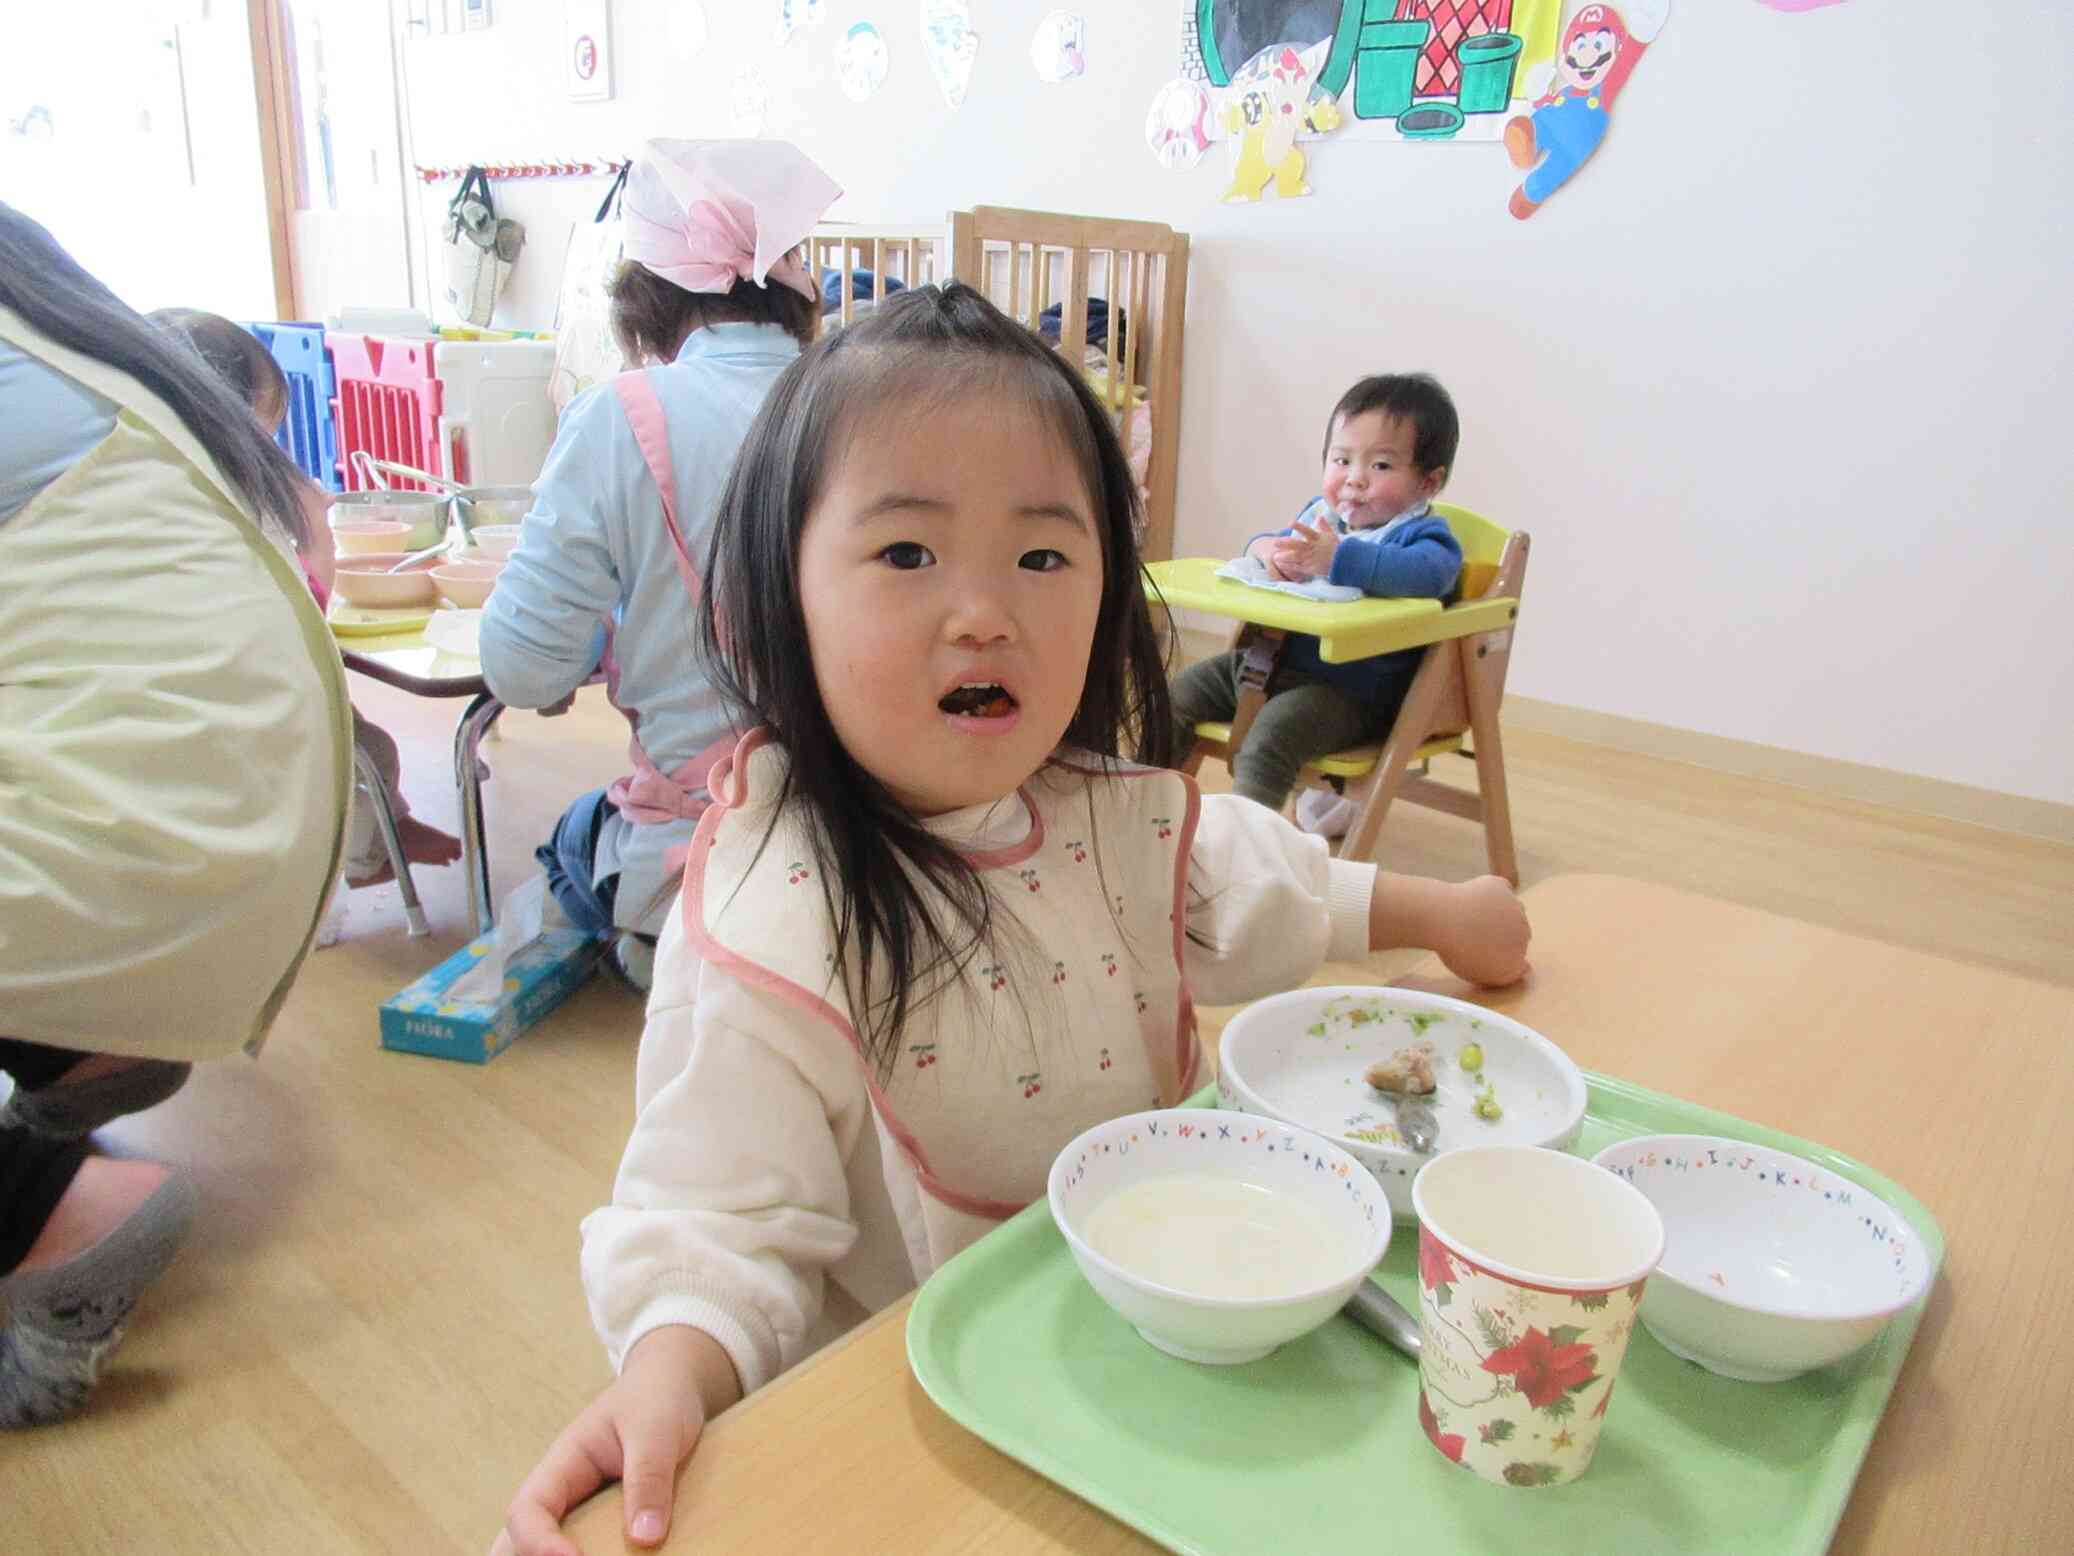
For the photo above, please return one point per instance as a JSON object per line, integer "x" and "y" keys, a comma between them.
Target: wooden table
{"x": 1955, "y": 1080}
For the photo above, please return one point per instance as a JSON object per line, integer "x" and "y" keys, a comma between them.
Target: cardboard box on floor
{"x": 426, "y": 1018}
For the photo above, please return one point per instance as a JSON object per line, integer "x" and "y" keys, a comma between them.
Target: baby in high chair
{"x": 1388, "y": 447}
{"x": 949, "y": 907}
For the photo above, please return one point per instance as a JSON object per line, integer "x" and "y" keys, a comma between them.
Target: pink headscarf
{"x": 704, "y": 214}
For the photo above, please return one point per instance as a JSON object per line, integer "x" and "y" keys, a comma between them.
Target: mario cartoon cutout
{"x": 1598, "y": 53}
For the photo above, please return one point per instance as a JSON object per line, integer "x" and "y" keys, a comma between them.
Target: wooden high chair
{"x": 1456, "y": 693}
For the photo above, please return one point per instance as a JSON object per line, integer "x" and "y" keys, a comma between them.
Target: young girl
{"x": 935, "y": 923}
{"x": 240, "y": 360}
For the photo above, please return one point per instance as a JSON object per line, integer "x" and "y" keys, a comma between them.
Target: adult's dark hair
{"x": 652, "y": 316}
{"x": 235, "y": 355}
{"x": 1412, "y": 397}
{"x": 886, "y": 878}
{"x": 54, "y": 296}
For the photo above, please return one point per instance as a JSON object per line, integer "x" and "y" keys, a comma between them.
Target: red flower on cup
{"x": 1543, "y": 1367}
{"x": 1449, "y": 1443}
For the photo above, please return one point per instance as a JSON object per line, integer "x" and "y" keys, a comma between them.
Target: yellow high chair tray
{"x": 1357, "y": 629}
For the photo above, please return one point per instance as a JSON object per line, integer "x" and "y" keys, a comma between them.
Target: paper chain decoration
{"x": 602, "y": 167}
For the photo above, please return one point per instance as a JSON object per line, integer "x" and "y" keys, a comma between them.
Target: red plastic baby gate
{"x": 388, "y": 404}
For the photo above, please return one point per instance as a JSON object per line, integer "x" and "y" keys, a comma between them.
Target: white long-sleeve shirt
{"x": 757, "y": 1166}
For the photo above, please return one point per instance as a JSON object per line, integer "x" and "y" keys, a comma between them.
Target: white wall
{"x": 1778, "y": 383}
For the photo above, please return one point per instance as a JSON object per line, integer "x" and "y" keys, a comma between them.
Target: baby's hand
{"x": 1263, "y": 552}
{"x": 1306, "y": 551}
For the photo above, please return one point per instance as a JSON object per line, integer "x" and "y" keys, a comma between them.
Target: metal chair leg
{"x": 377, "y": 792}
{"x": 476, "y": 721}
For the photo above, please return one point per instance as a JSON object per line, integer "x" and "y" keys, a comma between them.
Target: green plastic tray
{"x": 1317, "y": 1448}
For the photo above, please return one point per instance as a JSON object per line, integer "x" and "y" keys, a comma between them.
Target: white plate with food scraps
{"x": 1303, "y": 1057}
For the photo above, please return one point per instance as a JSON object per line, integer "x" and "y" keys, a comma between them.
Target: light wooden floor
{"x": 377, "y": 1323}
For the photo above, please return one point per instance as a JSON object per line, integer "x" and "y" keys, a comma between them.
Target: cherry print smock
{"x": 767, "y": 1153}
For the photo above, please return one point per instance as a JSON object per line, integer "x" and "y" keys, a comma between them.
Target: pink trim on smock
{"x": 729, "y": 788}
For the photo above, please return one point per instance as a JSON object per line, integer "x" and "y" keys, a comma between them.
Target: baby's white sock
{"x": 1323, "y": 812}
{"x": 331, "y": 926}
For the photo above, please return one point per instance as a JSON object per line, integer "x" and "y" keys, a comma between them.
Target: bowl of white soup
{"x": 1219, "y": 1236}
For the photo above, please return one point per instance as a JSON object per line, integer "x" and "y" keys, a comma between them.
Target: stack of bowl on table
{"x": 1222, "y": 1235}
{"x": 374, "y": 532}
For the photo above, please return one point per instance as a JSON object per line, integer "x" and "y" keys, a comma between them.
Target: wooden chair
{"x": 1026, "y": 261}
{"x": 1454, "y": 696}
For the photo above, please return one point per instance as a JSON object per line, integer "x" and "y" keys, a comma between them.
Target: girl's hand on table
{"x": 1479, "y": 927}
{"x": 638, "y": 1431}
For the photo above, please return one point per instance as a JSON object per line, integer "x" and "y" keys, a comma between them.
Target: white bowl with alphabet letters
{"x": 1773, "y": 1265}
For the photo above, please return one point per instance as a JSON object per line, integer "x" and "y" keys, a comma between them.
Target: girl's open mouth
{"x": 978, "y": 700}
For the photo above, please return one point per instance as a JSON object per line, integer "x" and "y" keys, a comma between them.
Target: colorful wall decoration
{"x": 1272, "y": 100}
{"x": 795, "y": 14}
{"x": 1397, "y": 69}
{"x": 1177, "y": 126}
{"x": 1570, "y": 117}
{"x": 951, "y": 44}
{"x": 1467, "y": 70}
{"x": 1058, "y": 49}
{"x": 861, "y": 62}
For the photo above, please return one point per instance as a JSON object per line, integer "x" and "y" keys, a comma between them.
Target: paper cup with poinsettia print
{"x": 1531, "y": 1266}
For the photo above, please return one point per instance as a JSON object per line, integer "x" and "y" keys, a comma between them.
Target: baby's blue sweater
{"x": 1414, "y": 556}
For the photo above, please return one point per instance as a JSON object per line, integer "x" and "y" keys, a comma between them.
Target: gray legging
{"x": 1302, "y": 721}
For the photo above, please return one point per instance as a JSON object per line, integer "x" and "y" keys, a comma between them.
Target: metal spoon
{"x": 1375, "y": 1310}
{"x": 445, "y": 542}
{"x": 372, "y": 470}
{"x": 1415, "y": 1120}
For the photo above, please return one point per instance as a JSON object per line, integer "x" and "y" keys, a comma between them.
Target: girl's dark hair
{"x": 234, "y": 354}
{"x": 651, "y": 316}
{"x": 46, "y": 286}
{"x": 1417, "y": 398}
{"x": 909, "y": 912}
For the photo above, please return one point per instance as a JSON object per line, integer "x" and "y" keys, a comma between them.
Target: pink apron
{"x": 648, "y": 796}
